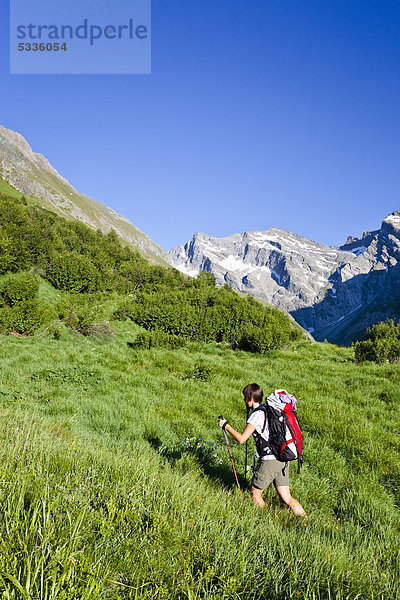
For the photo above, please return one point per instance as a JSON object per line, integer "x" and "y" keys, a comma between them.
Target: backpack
{"x": 285, "y": 438}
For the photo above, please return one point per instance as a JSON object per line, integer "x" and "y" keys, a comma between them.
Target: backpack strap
{"x": 264, "y": 408}
{"x": 263, "y": 446}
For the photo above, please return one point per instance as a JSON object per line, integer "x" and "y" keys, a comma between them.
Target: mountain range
{"x": 332, "y": 292}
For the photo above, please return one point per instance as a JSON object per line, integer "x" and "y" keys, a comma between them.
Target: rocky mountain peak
{"x": 16, "y": 153}
{"x": 329, "y": 290}
{"x": 391, "y": 224}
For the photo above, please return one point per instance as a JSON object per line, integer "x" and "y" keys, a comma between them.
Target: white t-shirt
{"x": 257, "y": 419}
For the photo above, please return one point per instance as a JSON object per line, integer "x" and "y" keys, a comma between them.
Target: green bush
{"x": 73, "y": 273}
{"x": 83, "y": 313}
{"x": 15, "y": 288}
{"x": 201, "y": 371}
{"x": 25, "y": 318}
{"x": 256, "y": 340}
{"x": 382, "y": 343}
{"x": 201, "y": 312}
{"x": 157, "y": 339}
{"x": 21, "y": 311}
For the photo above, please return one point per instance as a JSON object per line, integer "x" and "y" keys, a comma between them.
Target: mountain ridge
{"x": 322, "y": 287}
{"x": 33, "y": 175}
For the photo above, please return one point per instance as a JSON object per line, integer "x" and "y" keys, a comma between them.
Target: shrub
{"x": 201, "y": 371}
{"x": 102, "y": 329}
{"x": 21, "y": 311}
{"x": 73, "y": 273}
{"x": 201, "y": 312}
{"x": 82, "y": 314}
{"x": 365, "y": 351}
{"x": 6, "y": 258}
{"x": 15, "y": 288}
{"x": 382, "y": 343}
{"x": 256, "y": 340}
{"x": 25, "y": 317}
{"x": 157, "y": 339}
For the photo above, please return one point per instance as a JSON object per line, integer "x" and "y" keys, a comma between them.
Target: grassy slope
{"x": 6, "y": 188}
{"x": 104, "y": 494}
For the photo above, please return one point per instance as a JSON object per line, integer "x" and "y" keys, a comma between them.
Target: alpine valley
{"x": 332, "y": 292}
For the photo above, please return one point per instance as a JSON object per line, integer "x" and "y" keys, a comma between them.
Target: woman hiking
{"x": 269, "y": 468}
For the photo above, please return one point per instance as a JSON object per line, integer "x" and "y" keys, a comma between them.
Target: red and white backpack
{"x": 285, "y": 439}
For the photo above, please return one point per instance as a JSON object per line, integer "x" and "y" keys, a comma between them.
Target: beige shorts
{"x": 270, "y": 470}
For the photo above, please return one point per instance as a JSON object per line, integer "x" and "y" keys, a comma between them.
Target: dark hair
{"x": 253, "y": 392}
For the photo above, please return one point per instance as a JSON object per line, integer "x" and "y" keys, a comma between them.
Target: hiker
{"x": 269, "y": 468}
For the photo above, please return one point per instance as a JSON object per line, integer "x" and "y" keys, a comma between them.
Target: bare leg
{"x": 284, "y": 493}
{"x": 257, "y": 496}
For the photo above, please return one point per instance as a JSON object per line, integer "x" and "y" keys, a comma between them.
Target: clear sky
{"x": 258, "y": 113}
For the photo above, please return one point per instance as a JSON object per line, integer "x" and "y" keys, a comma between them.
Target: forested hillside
{"x": 87, "y": 267}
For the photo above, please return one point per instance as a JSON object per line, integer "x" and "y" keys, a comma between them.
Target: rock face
{"x": 33, "y": 175}
{"x": 334, "y": 293}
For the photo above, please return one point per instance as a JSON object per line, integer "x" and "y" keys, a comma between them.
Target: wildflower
{"x": 383, "y": 574}
{"x": 277, "y": 516}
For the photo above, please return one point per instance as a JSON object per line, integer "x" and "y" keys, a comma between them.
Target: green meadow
{"x": 115, "y": 481}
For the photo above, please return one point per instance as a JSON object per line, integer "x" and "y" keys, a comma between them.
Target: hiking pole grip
{"x": 226, "y": 437}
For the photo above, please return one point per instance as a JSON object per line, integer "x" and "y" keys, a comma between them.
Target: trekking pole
{"x": 230, "y": 455}
{"x": 245, "y": 454}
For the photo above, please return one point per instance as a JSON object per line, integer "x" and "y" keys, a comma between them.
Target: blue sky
{"x": 257, "y": 114}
